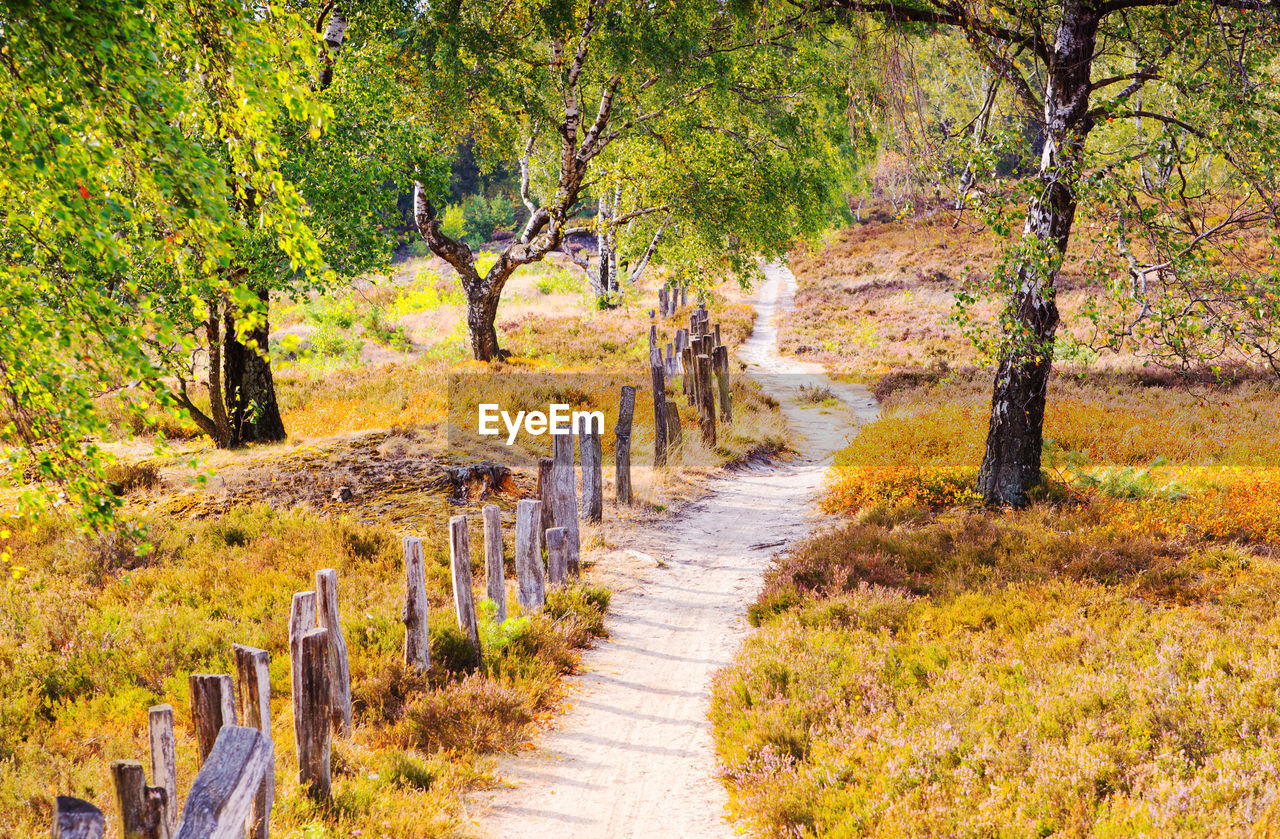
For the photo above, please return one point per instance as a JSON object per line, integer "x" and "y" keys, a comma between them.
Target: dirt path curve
{"x": 633, "y": 756}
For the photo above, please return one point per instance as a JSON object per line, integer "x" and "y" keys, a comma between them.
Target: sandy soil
{"x": 633, "y": 756}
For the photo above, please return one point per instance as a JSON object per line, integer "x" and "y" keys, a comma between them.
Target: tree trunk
{"x": 482, "y": 314}
{"x": 1011, "y": 464}
{"x": 250, "y": 389}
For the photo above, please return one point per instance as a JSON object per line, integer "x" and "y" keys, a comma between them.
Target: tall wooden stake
{"x": 313, "y": 713}
{"x": 417, "y": 642}
{"x": 565, "y": 496}
{"x": 592, "y": 479}
{"x": 463, "y": 597}
{"x": 706, "y": 407}
{"x": 494, "y": 573}
{"x": 164, "y": 758}
{"x": 253, "y": 671}
{"x": 213, "y": 705}
{"x": 328, "y": 617}
{"x": 532, "y": 591}
{"x": 721, "y": 364}
{"x": 622, "y": 446}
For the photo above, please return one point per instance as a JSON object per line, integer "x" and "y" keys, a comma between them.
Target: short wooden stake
{"x": 164, "y": 758}
{"x": 213, "y": 705}
{"x": 463, "y": 597}
{"x": 557, "y": 557}
{"x": 686, "y": 361}
{"x": 223, "y": 793}
{"x": 715, "y": 340}
{"x": 328, "y": 617}
{"x": 659, "y": 397}
{"x": 592, "y": 478}
{"x": 313, "y": 712}
{"x": 417, "y": 643}
{"x": 720, "y": 362}
{"x": 622, "y": 446}
{"x": 74, "y": 818}
{"x": 675, "y": 437}
{"x": 546, "y": 492}
{"x": 142, "y": 808}
{"x": 706, "y": 407}
{"x": 532, "y": 588}
{"x": 494, "y": 574}
{"x": 253, "y": 677}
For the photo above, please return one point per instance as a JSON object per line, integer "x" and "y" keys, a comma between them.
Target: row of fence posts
{"x": 234, "y": 790}
{"x": 702, "y": 361}
{"x": 672, "y": 298}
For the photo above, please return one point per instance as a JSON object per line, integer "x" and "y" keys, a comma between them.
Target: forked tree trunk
{"x": 1011, "y": 464}
{"x": 482, "y": 315}
{"x": 252, "y": 410}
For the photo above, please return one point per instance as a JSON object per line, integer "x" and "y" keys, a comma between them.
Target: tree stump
{"x": 253, "y": 672}
{"x": 417, "y": 644}
{"x": 463, "y": 597}
{"x": 494, "y": 573}
{"x": 213, "y": 705}
{"x": 328, "y": 617}
{"x": 531, "y": 582}
{"x": 622, "y": 446}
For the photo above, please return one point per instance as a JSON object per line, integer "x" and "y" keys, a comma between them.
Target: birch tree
{"x": 1075, "y": 67}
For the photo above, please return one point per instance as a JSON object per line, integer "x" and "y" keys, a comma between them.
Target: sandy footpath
{"x": 632, "y": 756}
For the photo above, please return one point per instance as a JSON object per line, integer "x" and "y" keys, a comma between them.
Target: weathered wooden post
{"x": 463, "y": 598}
{"x": 675, "y": 438}
{"x": 592, "y": 477}
{"x": 313, "y": 712}
{"x": 715, "y": 341}
{"x": 142, "y": 808}
{"x": 213, "y": 705}
{"x": 328, "y": 617}
{"x": 494, "y": 573}
{"x": 565, "y": 495}
{"x": 164, "y": 758}
{"x": 74, "y": 818}
{"x": 663, "y": 301}
{"x": 706, "y": 407}
{"x": 417, "y": 644}
{"x": 659, "y": 397}
{"x": 622, "y": 446}
{"x": 686, "y": 361}
{"x": 302, "y": 619}
{"x": 684, "y": 296}
{"x": 253, "y": 672}
{"x": 546, "y": 491}
{"x": 557, "y": 557}
{"x": 721, "y": 364}
{"x": 222, "y": 794}
{"x": 531, "y": 582}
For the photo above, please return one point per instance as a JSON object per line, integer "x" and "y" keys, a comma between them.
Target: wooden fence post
{"x": 494, "y": 574}
{"x": 223, "y": 793}
{"x": 546, "y": 490}
{"x": 417, "y": 641}
{"x": 302, "y": 619}
{"x": 715, "y": 341}
{"x": 675, "y": 437}
{"x": 74, "y": 818}
{"x": 565, "y": 494}
{"x": 706, "y": 407}
{"x": 463, "y": 597}
{"x": 622, "y": 446}
{"x": 662, "y": 301}
{"x": 686, "y": 382}
{"x": 213, "y": 705}
{"x": 684, "y": 296}
{"x": 721, "y": 364}
{"x": 531, "y": 583}
{"x": 557, "y": 557}
{"x": 328, "y": 617}
{"x": 142, "y": 808}
{"x": 313, "y": 712}
{"x": 659, "y": 397}
{"x": 164, "y": 758}
{"x": 592, "y": 478}
{"x": 253, "y": 673}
